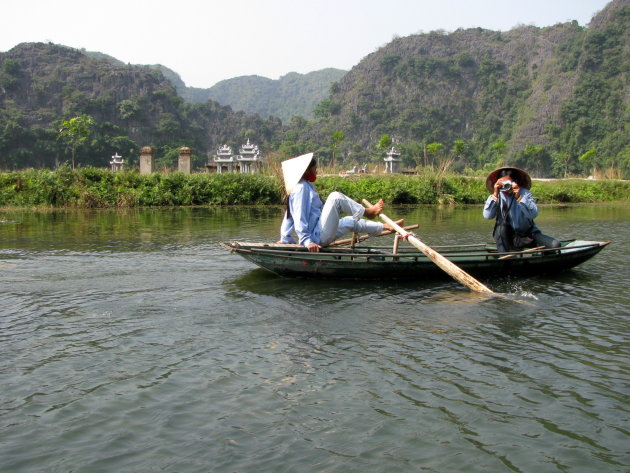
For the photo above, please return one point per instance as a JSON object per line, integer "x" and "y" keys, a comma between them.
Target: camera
{"x": 506, "y": 186}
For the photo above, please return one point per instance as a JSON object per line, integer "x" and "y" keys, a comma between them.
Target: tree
{"x": 128, "y": 109}
{"x": 9, "y": 75}
{"x": 435, "y": 150}
{"x": 384, "y": 142}
{"x": 168, "y": 127}
{"x": 75, "y": 132}
{"x": 589, "y": 159}
{"x": 499, "y": 149}
{"x": 326, "y": 108}
{"x": 412, "y": 153}
{"x": 535, "y": 158}
{"x": 458, "y": 155}
{"x": 560, "y": 163}
{"x": 337, "y": 137}
{"x": 459, "y": 148}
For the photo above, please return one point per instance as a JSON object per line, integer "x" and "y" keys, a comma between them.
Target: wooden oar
{"x": 449, "y": 267}
{"x": 531, "y": 250}
{"x": 348, "y": 241}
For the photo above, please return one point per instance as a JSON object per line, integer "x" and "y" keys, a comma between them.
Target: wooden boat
{"x": 378, "y": 262}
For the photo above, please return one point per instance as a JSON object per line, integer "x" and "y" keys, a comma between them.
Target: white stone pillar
{"x": 147, "y": 161}
{"x": 183, "y": 163}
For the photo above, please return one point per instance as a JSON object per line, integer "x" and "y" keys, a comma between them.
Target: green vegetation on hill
{"x": 539, "y": 98}
{"x": 554, "y": 100}
{"x": 292, "y": 95}
{"x": 41, "y": 85}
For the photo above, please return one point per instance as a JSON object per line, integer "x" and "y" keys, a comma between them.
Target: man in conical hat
{"x": 317, "y": 224}
{"x": 513, "y": 206}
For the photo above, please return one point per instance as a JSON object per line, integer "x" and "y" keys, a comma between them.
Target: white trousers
{"x": 332, "y": 225}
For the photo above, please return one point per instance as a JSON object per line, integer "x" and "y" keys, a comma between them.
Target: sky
{"x": 206, "y": 41}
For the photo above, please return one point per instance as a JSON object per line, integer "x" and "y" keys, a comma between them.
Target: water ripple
{"x": 169, "y": 354}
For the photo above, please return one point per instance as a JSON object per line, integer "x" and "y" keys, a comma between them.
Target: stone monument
{"x": 183, "y": 163}
{"x": 147, "y": 161}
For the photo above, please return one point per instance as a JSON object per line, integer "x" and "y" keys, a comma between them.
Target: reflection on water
{"x": 130, "y": 341}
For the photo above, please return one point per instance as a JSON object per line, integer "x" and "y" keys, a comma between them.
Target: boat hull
{"x": 409, "y": 263}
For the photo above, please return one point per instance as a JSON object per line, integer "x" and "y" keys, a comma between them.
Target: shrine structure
{"x": 249, "y": 158}
{"x": 248, "y": 161}
{"x": 392, "y": 161}
{"x": 117, "y": 163}
{"x": 224, "y": 159}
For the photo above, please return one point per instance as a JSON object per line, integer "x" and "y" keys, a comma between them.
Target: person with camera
{"x": 514, "y": 208}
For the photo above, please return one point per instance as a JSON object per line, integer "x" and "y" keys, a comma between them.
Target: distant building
{"x": 248, "y": 161}
{"x": 249, "y": 158}
{"x": 392, "y": 161}
{"x": 117, "y": 163}
{"x": 224, "y": 160}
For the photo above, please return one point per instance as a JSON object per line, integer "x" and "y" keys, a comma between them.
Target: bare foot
{"x": 400, "y": 223}
{"x": 375, "y": 210}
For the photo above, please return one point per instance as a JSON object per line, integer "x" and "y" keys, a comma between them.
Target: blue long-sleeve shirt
{"x": 305, "y": 209}
{"x": 522, "y": 211}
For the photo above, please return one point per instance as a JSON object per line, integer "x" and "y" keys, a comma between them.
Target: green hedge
{"x": 400, "y": 189}
{"x": 93, "y": 188}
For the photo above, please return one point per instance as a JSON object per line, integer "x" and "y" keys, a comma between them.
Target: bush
{"x": 93, "y": 187}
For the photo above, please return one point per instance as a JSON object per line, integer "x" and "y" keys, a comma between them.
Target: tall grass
{"x": 94, "y": 188}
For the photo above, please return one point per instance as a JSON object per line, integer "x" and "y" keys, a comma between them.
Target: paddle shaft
{"x": 361, "y": 238}
{"x": 531, "y": 250}
{"x": 446, "y": 265}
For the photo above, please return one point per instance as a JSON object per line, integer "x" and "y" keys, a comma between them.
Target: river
{"x": 130, "y": 341}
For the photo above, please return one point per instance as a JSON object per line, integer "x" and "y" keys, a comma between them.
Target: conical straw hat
{"x": 293, "y": 169}
{"x": 521, "y": 177}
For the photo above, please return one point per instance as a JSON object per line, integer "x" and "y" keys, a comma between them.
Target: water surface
{"x": 130, "y": 341}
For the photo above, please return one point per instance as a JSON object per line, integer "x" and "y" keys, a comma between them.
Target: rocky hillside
{"x": 446, "y": 86}
{"x": 133, "y": 106}
{"x": 189, "y": 94}
{"x": 42, "y": 83}
{"x": 293, "y": 94}
{"x": 521, "y": 87}
{"x": 555, "y": 100}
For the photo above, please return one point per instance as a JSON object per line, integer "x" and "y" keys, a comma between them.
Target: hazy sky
{"x": 206, "y": 41}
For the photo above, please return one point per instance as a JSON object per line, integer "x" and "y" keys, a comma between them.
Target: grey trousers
{"x": 504, "y": 238}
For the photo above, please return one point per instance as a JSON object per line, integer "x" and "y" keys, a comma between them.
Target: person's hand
{"x": 516, "y": 189}
{"x": 314, "y": 248}
{"x": 497, "y": 186}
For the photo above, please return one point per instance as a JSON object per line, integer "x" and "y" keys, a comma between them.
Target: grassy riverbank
{"x": 98, "y": 188}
